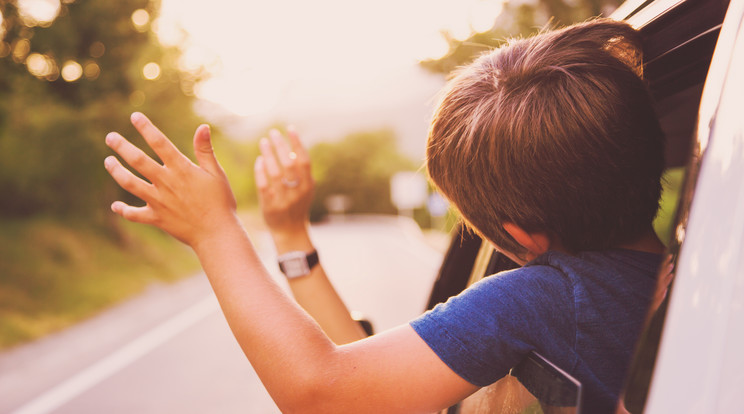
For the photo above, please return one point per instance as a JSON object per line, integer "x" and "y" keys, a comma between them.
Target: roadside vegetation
{"x": 56, "y": 273}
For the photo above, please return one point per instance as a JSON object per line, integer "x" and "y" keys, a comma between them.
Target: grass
{"x": 54, "y": 273}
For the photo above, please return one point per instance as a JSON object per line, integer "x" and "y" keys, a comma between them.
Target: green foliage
{"x": 52, "y": 129}
{"x": 672, "y": 182}
{"x": 63, "y": 254}
{"x": 55, "y": 273}
{"x": 360, "y": 167}
{"x": 520, "y": 19}
{"x": 237, "y": 159}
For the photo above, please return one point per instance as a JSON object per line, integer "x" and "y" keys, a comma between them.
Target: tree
{"x": 358, "y": 167}
{"x": 67, "y": 81}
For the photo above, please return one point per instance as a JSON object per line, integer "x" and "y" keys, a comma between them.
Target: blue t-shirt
{"x": 584, "y": 313}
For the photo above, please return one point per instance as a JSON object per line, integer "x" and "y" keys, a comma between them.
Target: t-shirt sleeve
{"x": 491, "y": 326}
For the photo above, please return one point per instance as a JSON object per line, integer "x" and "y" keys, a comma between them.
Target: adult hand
{"x": 190, "y": 202}
{"x": 285, "y": 189}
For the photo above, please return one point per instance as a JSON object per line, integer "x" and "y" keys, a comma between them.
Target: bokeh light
{"x": 151, "y": 71}
{"x": 91, "y": 70}
{"x": 137, "y": 98}
{"x": 21, "y": 47}
{"x": 40, "y": 65}
{"x": 71, "y": 71}
{"x": 2, "y": 26}
{"x": 38, "y": 12}
{"x": 97, "y": 49}
{"x": 140, "y": 19}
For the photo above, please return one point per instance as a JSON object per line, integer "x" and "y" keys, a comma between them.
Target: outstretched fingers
{"x": 133, "y": 156}
{"x": 302, "y": 158}
{"x": 204, "y": 151}
{"x": 128, "y": 181}
{"x": 273, "y": 171}
{"x": 284, "y": 154}
{"x": 259, "y": 171}
{"x": 143, "y": 215}
{"x": 163, "y": 147}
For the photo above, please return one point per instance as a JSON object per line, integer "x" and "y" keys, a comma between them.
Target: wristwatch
{"x": 298, "y": 263}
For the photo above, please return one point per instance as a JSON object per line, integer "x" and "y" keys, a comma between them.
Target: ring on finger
{"x": 290, "y": 183}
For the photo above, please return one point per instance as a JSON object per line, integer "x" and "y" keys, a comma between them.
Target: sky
{"x": 329, "y": 67}
{"x": 283, "y": 52}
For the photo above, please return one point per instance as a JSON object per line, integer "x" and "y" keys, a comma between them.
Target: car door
{"x": 690, "y": 359}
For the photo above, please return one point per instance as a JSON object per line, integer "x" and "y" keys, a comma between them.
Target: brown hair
{"x": 554, "y": 133}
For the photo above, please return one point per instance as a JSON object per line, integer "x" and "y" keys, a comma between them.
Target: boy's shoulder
{"x": 611, "y": 263}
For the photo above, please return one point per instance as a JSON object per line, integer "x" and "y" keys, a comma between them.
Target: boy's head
{"x": 554, "y": 133}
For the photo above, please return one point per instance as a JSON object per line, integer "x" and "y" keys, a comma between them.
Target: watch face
{"x": 294, "y": 265}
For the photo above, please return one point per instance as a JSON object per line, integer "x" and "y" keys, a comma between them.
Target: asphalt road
{"x": 170, "y": 350}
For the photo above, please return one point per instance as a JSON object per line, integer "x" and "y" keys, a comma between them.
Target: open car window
{"x": 556, "y": 391}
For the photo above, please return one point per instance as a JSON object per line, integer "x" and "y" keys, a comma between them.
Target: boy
{"x": 550, "y": 150}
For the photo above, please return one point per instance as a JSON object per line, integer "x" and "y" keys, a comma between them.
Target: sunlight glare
{"x": 198, "y": 56}
{"x": 2, "y": 26}
{"x": 434, "y": 49}
{"x": 280, "y": 47}
{"x": 244, "y": 94}
{"x": 483, "y": 14}
{"x": 38, "y": 12}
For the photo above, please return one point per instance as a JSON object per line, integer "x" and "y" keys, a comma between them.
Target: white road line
{"x": 124, "y": 356}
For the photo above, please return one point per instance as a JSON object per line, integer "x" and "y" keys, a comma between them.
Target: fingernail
{"x": 136, "y": 117}
{"x": 108, "y": 162}
{"x": 114, "y": 206}
{"x": 110, "y": 138}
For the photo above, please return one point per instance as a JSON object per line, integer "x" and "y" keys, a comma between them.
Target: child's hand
{"x": 190, "y": 202}
{"x": 285, "y": 187}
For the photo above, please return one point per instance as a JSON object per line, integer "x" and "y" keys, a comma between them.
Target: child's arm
{"x": 285, "y": 188}
{"x": 301, "y": 368}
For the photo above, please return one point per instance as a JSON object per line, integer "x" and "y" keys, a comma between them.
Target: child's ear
{"x": 535, "y": 243}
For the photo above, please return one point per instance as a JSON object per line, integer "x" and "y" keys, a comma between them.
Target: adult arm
{"x": 303, "y": 370}
{"x": 285, "y": 188}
